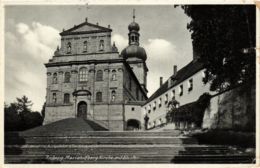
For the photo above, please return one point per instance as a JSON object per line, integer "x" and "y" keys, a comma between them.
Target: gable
{"x": 85, "y": 28}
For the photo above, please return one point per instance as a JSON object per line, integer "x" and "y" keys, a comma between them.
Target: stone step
{"x": 104, "y": 140}
{"x": 68, "y": 133}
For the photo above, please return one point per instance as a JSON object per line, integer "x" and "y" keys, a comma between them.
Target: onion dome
{"x": 133, "y": 26}
{"x": 134, "y": 51}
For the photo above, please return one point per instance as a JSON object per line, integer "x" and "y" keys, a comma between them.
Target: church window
{"x": 99, "y": 97}
{"x": 190, "y": 85}
{"x": 133, "y": 109}
{"x": 69, "y": 47}
{"x": 54, "y": 98}
{"x": 85, "y": 46}
{"x": 166, "y": 98}
{"x": 67, "y": 77}
{"x": 83, "y": 74}
{"x": 99, "y": 76}
{"x": 113, "y": 75}
{"x": 101, "y": 45}
{"x": 181, "y": 90}
{"x": 113, "y": 96}
{"x": 55, "y": 79}
{"x": 66, "y": 98}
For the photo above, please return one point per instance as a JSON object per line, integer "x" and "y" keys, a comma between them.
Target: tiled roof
{"x": 181, "y": 75}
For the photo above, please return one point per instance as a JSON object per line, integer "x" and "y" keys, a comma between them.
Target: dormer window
{"x": 69, "y": 47}
{"x": 101, "y": 45}
{"x": 85, "y": 46}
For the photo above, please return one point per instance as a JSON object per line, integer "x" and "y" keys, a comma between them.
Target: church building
{"x": 88, "y": 78}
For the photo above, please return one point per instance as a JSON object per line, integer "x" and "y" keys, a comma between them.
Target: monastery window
{"x": 85, "y": 46}
{"x": 190, "y": 85}
{"x": 113, "y": 75}
{"x": 99, "y": 76}
{"x": 133, "y": 109}
{"x": 99, "y": 97}
{"x": 113, "y": 96}
{"x": 69, "y": 47}
{"x": 204, "y": 77}
{"x": 54, "y": 98}
{"x": 101, "y": 45}
{"x": 181, "y": 90}
{"x": 67, "y": 77}
{"x": 83, "y": 75}
{"x": 55, "y": 79}
{"x": 154, "y": 105}
{"x": 66, "y": 98}
{"x": 160, "y": 102}
{"x": 149, "y": 108}
{"x": 166, "y": 98}
{"x": 173, "y": 94}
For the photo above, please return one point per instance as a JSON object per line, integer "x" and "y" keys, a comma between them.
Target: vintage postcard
{"x": 170, "y": 83}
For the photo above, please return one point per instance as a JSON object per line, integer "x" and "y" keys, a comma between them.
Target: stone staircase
{"x": 115, "y": 147}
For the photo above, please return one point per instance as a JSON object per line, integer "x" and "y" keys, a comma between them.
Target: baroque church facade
{"x": 88, "y": 78}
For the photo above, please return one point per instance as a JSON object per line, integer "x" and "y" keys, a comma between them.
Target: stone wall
{"x": 234, "y": 109}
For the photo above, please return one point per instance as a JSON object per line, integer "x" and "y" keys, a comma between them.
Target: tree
{"x": 24, "y": 104}
{"x": 224, "y": 39}
{"x": 19, "y": 116}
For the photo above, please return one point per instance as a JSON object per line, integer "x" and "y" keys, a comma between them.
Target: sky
{"x": 32, "y": 35}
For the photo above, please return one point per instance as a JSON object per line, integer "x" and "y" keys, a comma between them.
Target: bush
{"x": 226, "y": 137}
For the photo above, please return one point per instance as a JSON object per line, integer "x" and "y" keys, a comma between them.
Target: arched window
{"x": 113, "y": 95}
{"x": 54, "y": 98}
{"x": 55, "y": 79}
{"x": 67, "y": 77}
{"x": 101, "y": 45}
{"x": 83, "y": 74}
{"x": 113, "y": 75}
{"x": 85, "y": 46}
{"x": 99, "y": 97}
{"x": 69, "y": 47}
{"x": 99, "y": 76}
{"x": 66, "y": 98}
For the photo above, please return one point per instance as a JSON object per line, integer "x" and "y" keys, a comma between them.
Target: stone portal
{"x": 82, "y": 110}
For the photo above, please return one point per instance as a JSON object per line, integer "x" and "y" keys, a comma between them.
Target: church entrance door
{"x": 82, "y": 110}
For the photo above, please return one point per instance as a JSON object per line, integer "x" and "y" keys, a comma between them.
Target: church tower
{"x": 136, "y": 55}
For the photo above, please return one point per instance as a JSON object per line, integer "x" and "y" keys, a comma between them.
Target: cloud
{"x": 27, "y": 48}
{"x": 120, "y": 41}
